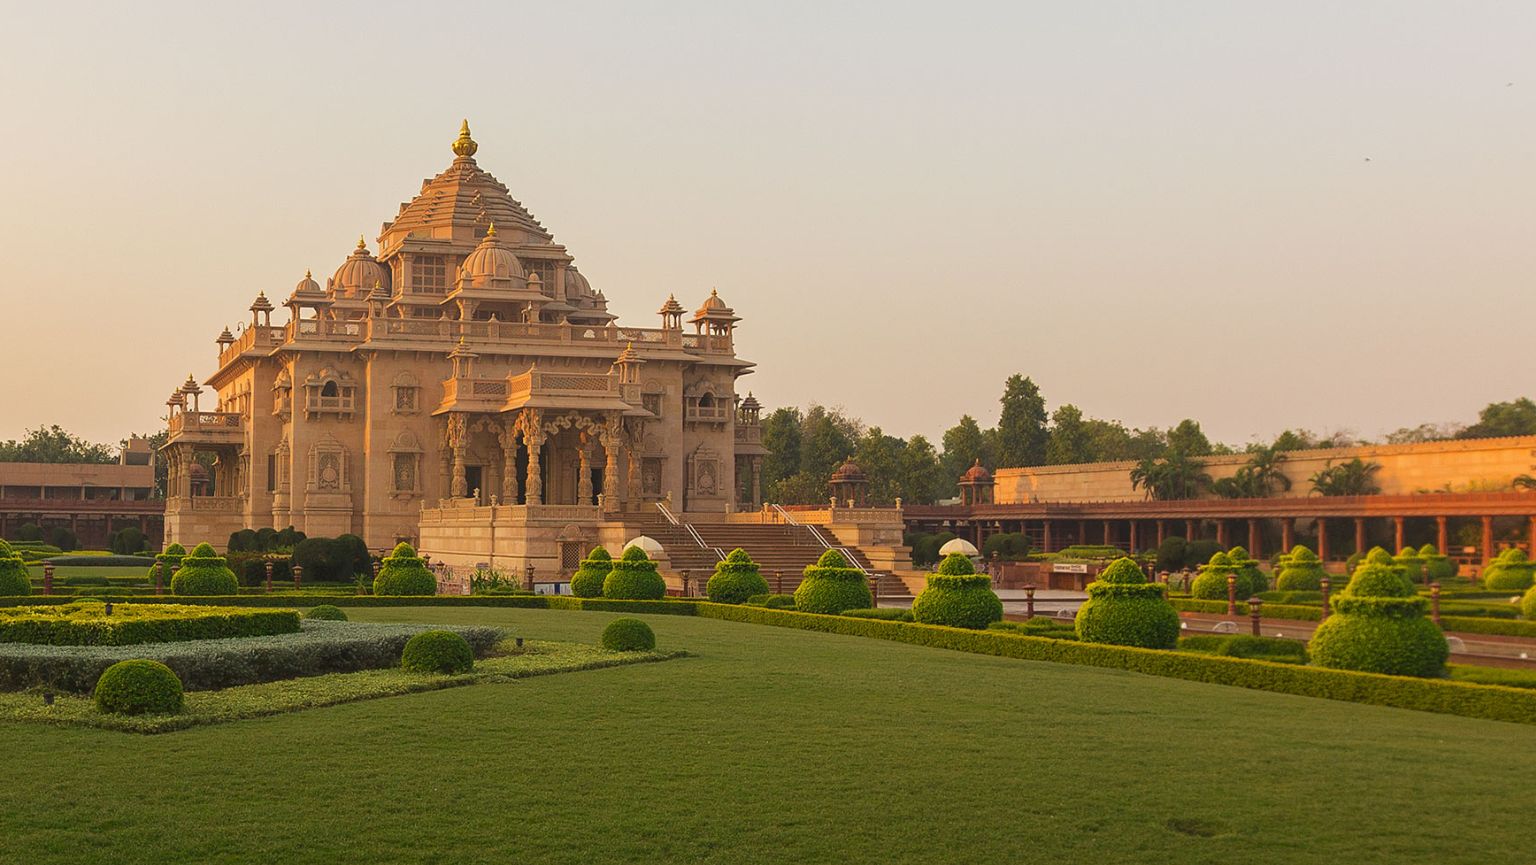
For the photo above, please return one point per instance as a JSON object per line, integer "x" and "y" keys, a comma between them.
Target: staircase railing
{"x": 822, "y": 539}
{"x": 692, "y": 532}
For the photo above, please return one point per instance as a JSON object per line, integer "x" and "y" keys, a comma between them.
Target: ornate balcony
{"x": 207, "y": 427}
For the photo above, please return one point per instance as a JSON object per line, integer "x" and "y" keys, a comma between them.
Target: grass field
{"x": 777, "y": 745}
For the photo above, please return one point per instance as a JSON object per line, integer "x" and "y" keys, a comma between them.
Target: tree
{"x": 1069, "y": 441}
{"x": 781, "y": 437}
{"x": 1176, "y": 476}
{"x": 964, "y": 444}
{"x": 879, "y": 455}
{"x": 54, "y": 444}
{"x": 1424, "y": 432}
{"x": 1260, "y": 478}
{"x": 827, "y": 437}
{"x": 1021, "y": 431}
{"x": 1354, "y": 478}
{"x": 1515, "y": 418}
{"x": 922, "y": 477}
{"x": 1188, "y": 439}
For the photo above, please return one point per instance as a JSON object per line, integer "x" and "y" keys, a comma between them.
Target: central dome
{"x": 359, "y": 273}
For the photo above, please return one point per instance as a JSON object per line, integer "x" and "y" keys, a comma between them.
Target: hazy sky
{"x": 1257, "y": 215}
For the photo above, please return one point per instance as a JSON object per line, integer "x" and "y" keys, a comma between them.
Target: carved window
{"x": 407, "y": 394}
{"x": 406, "y": 471}
{"x": 405, "y": 398}
{"x": 429, "y": 274}
{"x": 651, "y": 402}
{"x": 650, "y": 476}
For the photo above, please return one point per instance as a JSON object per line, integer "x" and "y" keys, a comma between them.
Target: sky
{"x": 1258, "y": 215}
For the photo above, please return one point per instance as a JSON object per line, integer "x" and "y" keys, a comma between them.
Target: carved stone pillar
{"x": 757, "y": 482}
{"x": 458, "y": 435}
{"x": 533, "y": 437}
{"x": 509, "y": 486}
{"x": 584, "y": 472}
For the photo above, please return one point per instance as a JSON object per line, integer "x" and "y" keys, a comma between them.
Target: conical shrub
{"x": 735, "y": 579}
{"x": 1250, "y": 579}
{"x": 1438, "y": 567}
{"x": 204, "y": 572}
{"x": 15, "y": 579}
{"x": 831, "y": 586}
{"x": 634, "y": 577}
{"x": 170, "y": 558}
{"x": 402, "y": 572}
{"x": 957, "y": 596}
{"x": 1412, "y": 564}
{"x": 1301, "y": 571}
{"x": 1379, "y": 626}
{"x": 587, "y": 582}
{"x": 1211, "y": 583}
{"x": 1123, "y": 609}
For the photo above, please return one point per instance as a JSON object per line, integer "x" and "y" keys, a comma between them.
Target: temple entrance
{"x": 474, "y": 479}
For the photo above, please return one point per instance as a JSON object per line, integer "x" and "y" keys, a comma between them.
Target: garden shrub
{"x": 634, "y": 577}
{"x": 1211, "y": 583}
{"x": 138, "y": 687}
{"x": 1412, "y": 564}
{"x": 628, "y": 635}
{"x": 86, "y": 623}
{"x": 735, "y": 579}
{"x": 242, "y": 541}
{"x": 167, "y": 560}
{"x": 15, "y": 578}
{"x": 127, "y": 540}
{"x": 831, "y": 586}
{"x": 772, "y": 602}
{"x": 1008, "y": 546}
{"x": 1171, "y": 553}
{"x": 327, "y": 613}
{"x": 1437, "y": 567}
{"x": 437, "y": 652}
{"x": 327, "y": 560}
{"x": 957, "y": 596}
{"x": 1277, "y": 649}
{"x": 266, "y": 539}
{"x": 1250, "y": 579}
{"x": 1510, "y": 571}
{"x": 1301, "y": 572}
{"x": 1200, "y": 551}
{"x": 587, "y": 582}
{"x": 1123, "y": 609}
{"x": 63, "y": 538}
{"x": 359, "y": 560}
{"x": 404, "y": 573}
{"x": 1378, "y": 626}
{"x": 204, "y": 572}
{"x": 29, "y": 532}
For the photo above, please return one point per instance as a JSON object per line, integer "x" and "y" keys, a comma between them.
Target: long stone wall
{"x": 1470, "y": 465}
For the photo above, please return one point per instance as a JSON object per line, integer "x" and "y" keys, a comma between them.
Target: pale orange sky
{"x": 1258, "y": 215}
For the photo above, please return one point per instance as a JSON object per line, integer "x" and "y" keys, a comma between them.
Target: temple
{"x": 465, "y": 388}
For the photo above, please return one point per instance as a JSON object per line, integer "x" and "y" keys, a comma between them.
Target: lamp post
{"x": 1253, "y": 614}
{"x": 1029, "y": 602}
{"x": 47, "y": 578}
{"x": 1327, "y": 607}
{"x": 1231, "y": 594}
{"x": 1434, "y": 601}
{"x": 268, "y": 564}
{"x": 298, "y": 576}
{"x": 159, "y": 578}
{"x": 528, "y": 577}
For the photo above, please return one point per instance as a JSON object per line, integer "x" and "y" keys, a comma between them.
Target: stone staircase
{"x": 782, "y": 551}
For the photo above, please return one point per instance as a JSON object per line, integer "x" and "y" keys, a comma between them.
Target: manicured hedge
{"x": 320, "y": 648}
{"x": 736, "y": 579}
{"x": 403, "y": 573}
{"x": 628, "y": 635}
{"x": 889, "y": 614}
{"x": 957, "y": 596}
{"x": 1123, "y": 609}
{"x": 204, "y": 572}
{"x": 831, "y": 586}
{"x": 634, "y": 577}
{"x": 587, "y": 582}
{"x": 15, "y": 579}
{"x": 1428, "y": 695}
{"x": 87, "y": 624}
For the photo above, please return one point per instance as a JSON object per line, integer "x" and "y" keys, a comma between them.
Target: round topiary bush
{"x": 1123, "y": 609}
{"x": 204, "y": 572}
{"x": 1302, "y": 571}
{"x": 1378, "y": 626}
{"x": 326, "y": 613}
{"x": 138, "y": 687}
{"x": 1250, "y": 580}
{"x": 15, "y": 579}
{"x": 404, "y": 573}
{"x": 1211, "y": 583}
{"x": 169, "y": 558}
{"x": 628, "y": 635}
{"x": 831, "y": 586}
{"x": 736, "y": 579}
{"x": 1412, "y": 564}
{"x": 437, "y": 652}
{"x": 957, "y": 596}
{"x": 587, "y": 582}
{"x": 1437, "y": 567}
{"x": 1511, "y": 571}
{"x": 1528, "y": 603}
{"x": 634, "y": 578}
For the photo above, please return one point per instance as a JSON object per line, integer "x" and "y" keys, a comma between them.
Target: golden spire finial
{"x": 361, "y": 244}
{"x": 490, "y": 230}
{"x": 465, "y": 146}
{"x": 308, "y": 274}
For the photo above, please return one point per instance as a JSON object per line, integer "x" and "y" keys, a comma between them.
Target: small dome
{"x": 713, "y": 303}
{"x": 751, "y": 403}
{"x": 359, "y": 273}
{"x": 491, "y": 261}
{"x": 671, "y": 307}
{"x": 307, "y": 285}
{"x": 576, "y": 285}
{"x": 849, "y": 473}
{"x": 261, "y": 304}
{"x": 225, "y": 337}
{"x": 976, "y": 474}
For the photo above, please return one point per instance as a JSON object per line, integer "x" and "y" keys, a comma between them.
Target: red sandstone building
{"x": 90, "y": 500}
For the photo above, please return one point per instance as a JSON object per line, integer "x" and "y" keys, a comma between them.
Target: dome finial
{"x": 465, "y": 146}
{"x": 490, "y": 230}
{"x": 361, "y": 244}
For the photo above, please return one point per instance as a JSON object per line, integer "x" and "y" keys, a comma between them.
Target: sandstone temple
{"x": 465, "y": 388}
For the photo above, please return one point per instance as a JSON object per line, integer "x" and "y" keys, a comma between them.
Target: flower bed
{"x": 320, "y": 647}
{"x": 89, "y": 623}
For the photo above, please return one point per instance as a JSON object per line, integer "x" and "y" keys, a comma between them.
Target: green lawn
{"x": 779, "y": 745}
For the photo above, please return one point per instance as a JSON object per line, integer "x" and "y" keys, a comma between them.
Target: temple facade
{"x": 467, "y": 367}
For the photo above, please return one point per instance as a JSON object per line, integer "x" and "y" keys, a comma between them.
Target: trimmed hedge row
{"x": 87, "y": 624}
{"x": 1491, "y": 702}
